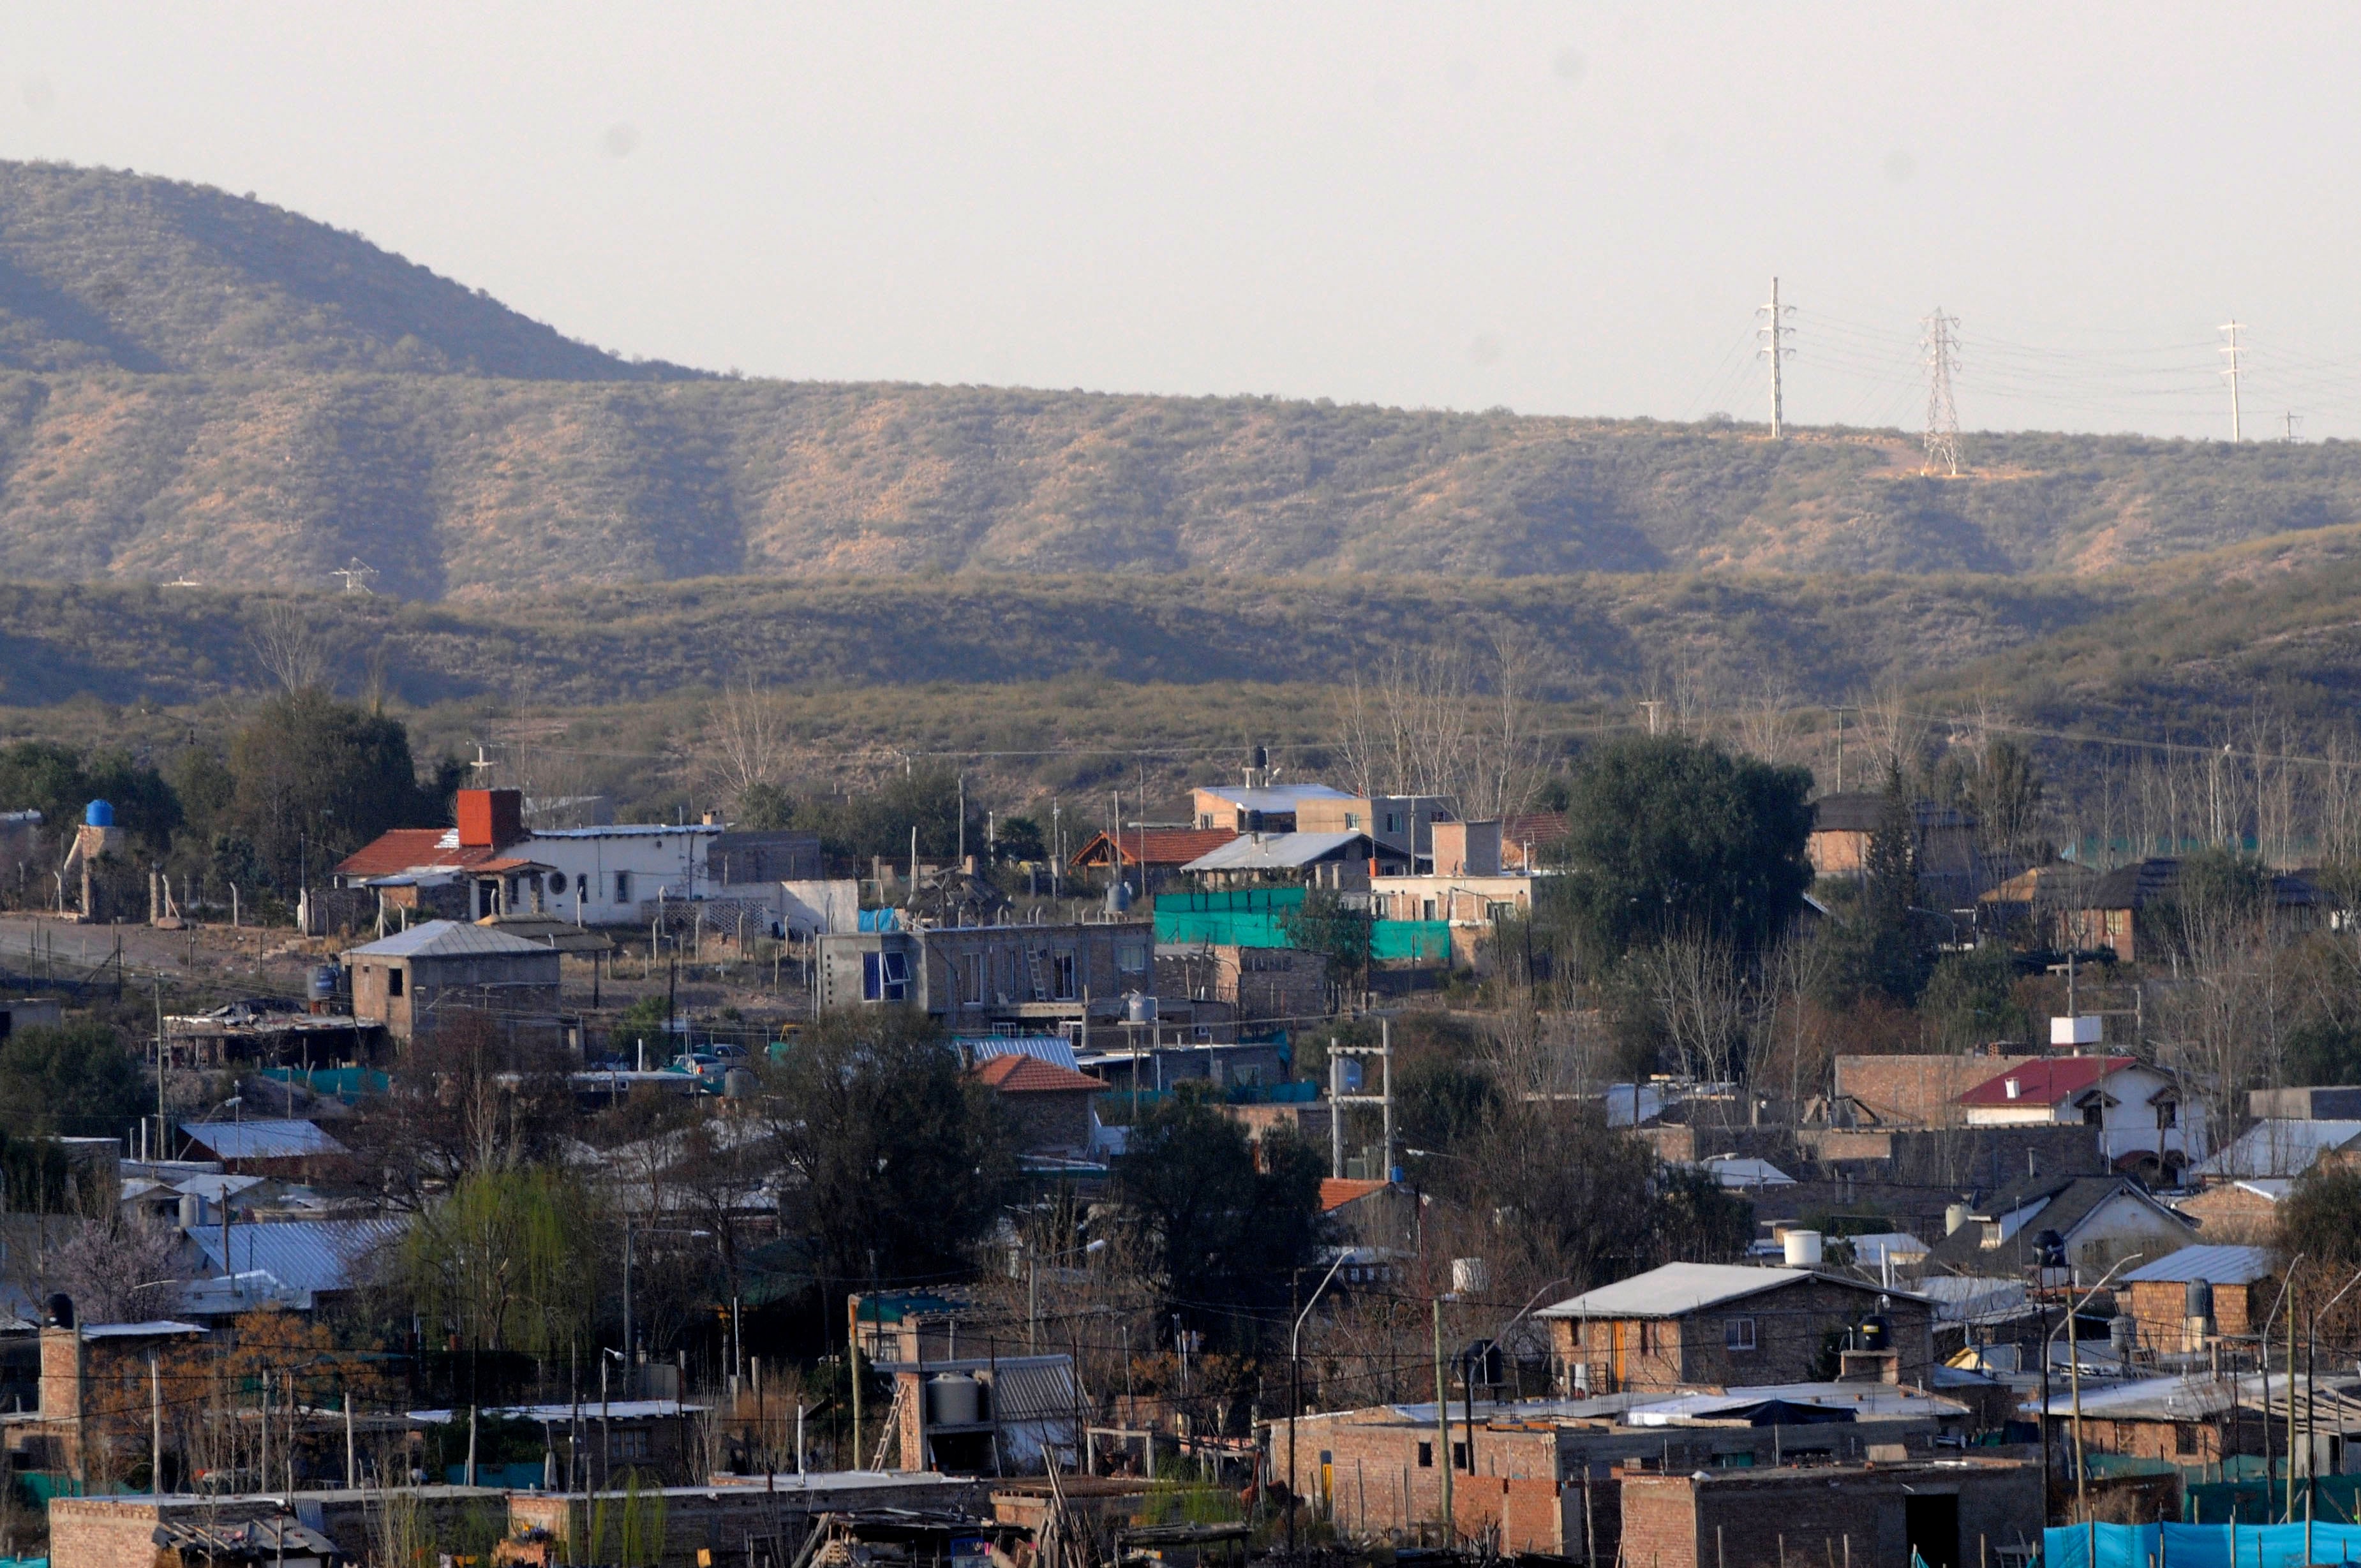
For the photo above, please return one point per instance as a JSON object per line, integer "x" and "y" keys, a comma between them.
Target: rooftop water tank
{"x": 954, "y": 1399}
{"x": 1954, "y": 1216}
{"x": 324, "y": 982}
{"x": 1138, "y": 1008}
{"x": 2123, "y": 1333}
{"x": 1803, "y": 1248}
{"x": 98, "y": 814}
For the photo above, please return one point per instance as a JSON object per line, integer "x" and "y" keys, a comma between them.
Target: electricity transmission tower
{"x": 2232, "y": 372}
{"x": 1941, "y": 340}
{"x": 356, "y": 575}
{"x": 1775, "y": 349}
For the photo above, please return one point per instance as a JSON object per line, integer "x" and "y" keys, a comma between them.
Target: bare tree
{"x": 744, "y": 742}
{"x": 288, "y": 646}
{"x": 1450, "y": 723}
{"x": 1708, "y": 1002}
{"x": 119, "y": 1270}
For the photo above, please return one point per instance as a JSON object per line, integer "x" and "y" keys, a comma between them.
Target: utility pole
{"x": 2294, "y": 420}
{"x": 2232, "y": 373}
{"x": 1941, "y": 344}
{"x": 1775, "y": 337}
{"x": 1841, "y": 710}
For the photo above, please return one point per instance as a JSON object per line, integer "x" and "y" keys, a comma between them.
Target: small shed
{"x": 405, "y": 981}
{"x": 2186, "y": 1299}
{"x": 280, "y": 1147}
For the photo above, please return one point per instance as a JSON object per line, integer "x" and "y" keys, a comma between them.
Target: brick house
{"x": 2136, "y": 1111}
{"x": 1048, "y": 1106}
{"x": 1543, "y": 1470}
{"x": 2203, "y": 1419}
{"x": 90, "y": 1417}
{"x": 978, "y": 979}
{"x": 1950, "y": 1512}
{"x": 2244, "y": 1211}
{"x": 1259, "y": 983}
{"x": 1724, "y": 1325}
{"x": 442, "y": 967}
{"x": 1918, "y": 1091}
{"x": 2239, "y": 1284}
{"x": 2098, "y": 1220}
{"x": 2120, "y": 910}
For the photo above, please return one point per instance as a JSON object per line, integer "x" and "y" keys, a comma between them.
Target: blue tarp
{"x": 2199, "y": 1545}
{"x": 880, "y": 919}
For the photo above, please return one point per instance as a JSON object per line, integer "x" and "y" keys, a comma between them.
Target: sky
{"x": 1560, "y": 209}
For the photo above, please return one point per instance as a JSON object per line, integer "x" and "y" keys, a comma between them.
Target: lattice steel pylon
{"x": 1940, "y": 343}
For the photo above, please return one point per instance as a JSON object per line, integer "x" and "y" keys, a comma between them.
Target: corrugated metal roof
{"x": 1274, "y": 851}
{"x": 1678, "y": 1288}
{"x": 1056, "y": 1049}
{"x": 260, "y": 1140}
{"x": 446, "y": 939}
{"x": 304, "y": 1255}
{"x": 629, "y": 830}
{"x": 1854, "y": 1399}
{"x": 2046, "y": 1082}
{"x": 2279, "y": 1146}
{"x": 2217, "y": 1265}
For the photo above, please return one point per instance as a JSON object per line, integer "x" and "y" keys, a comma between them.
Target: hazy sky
{"x": 1559, "y": 208}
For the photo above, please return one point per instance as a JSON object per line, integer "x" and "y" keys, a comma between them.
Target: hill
{"x": 198, "y": 384}
{"x": 100, "y": 269}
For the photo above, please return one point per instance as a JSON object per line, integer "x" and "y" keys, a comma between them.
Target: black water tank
{"x": 1254, "y": 821}
{"x": 61, "y": 1310}
{"x": 1877, "y": 1331}
{"x": 2199, "y": 1300}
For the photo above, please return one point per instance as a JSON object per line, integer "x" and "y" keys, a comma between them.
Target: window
{"x": 622, "y": 887}
{"x": 1428, "y": 906}
{"x": 884, "y": 977}
{"x": 581, "y": 889}
{"x": 1738, "y": 1334}
{"x": 1647, "y": 1337}
{"x": 1393, "y": 821}
{"x": 1131, "y": 958}
{"x": 393, "y": 979}
{"x": 1206, "y": 819}
{"x": 1459, "y": 1456}
{"x": 1426, "y": 1456}
{"x": 1352, "y": 822}
{"x": 2167, "y": 1115}
{"x": 1061, "y": 975}
{"x": 2184, "y": 1437}
{"x": 2094, "y": 1115}
{"x": 631, "y": 1443}
{"x": 972, "y": 987}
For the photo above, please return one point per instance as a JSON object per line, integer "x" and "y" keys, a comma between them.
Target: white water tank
{"x": 192, "y": 1211}
{"x": 954, "y": 1399}
{"x": 1803, "y": 1248}
{"x": 1954, "y": 1216}
{"x": 1470, "y": 1276}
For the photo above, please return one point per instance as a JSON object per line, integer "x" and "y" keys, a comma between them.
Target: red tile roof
{"x": 1335, "y": 1191}
{"x": 2046, "y": 1082}
{"x": 400, "y": 849}
{"x": 1019, "y": 1074}
{"x": 1162, "y": 845}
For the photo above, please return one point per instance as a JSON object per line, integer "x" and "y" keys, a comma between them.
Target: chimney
{"x": 490, "y": 818}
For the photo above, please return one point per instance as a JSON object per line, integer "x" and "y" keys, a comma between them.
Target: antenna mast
{"x": 1775, "y": 335}
{"x": 1941, "y": 343}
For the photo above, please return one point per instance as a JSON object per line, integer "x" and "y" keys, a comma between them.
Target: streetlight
{"x": 1295, "y": 1386}
{"x": 2074, "y": 1371}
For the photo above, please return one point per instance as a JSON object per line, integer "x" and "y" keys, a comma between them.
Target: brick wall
{"x": 1918, "y": 1091}
{"x": 1838, "y": 1513}
{"x": 1050, "y": 1119}
{"x": 1789, "y": 1328}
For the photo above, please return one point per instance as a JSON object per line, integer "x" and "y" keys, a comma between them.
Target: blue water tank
{"x": 98, "y": 814}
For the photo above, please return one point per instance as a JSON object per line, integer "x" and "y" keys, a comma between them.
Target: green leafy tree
{"x": 1667, "y": 835}
{"x": 508, "y": 1260}
{"x": 900, "y": 1164}
{"x": 879, "y": 822}
{"x": 1883, "y": 945}
{"x": 313, "y": 779}
{"x": 2321, "y": 1218}
{"x": 1969, "y": 998}
{"x": 1340, "y": 933}
{"x": 1222, "y": 1230}
{"x": 765, "y": 808}
{"x": 1019, "y": 839}
{"x": 71, "y": 1081}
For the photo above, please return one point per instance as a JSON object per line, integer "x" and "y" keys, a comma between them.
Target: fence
{"x": 2199, "y": 1545}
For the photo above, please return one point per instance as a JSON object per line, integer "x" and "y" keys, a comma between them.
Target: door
{"x": 1932, "y": 1524}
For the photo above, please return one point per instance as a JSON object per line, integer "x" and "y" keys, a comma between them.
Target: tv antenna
{"x": 356, "y": 575}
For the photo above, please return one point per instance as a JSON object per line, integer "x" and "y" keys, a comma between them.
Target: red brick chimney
{"x": 490, "y": 818}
